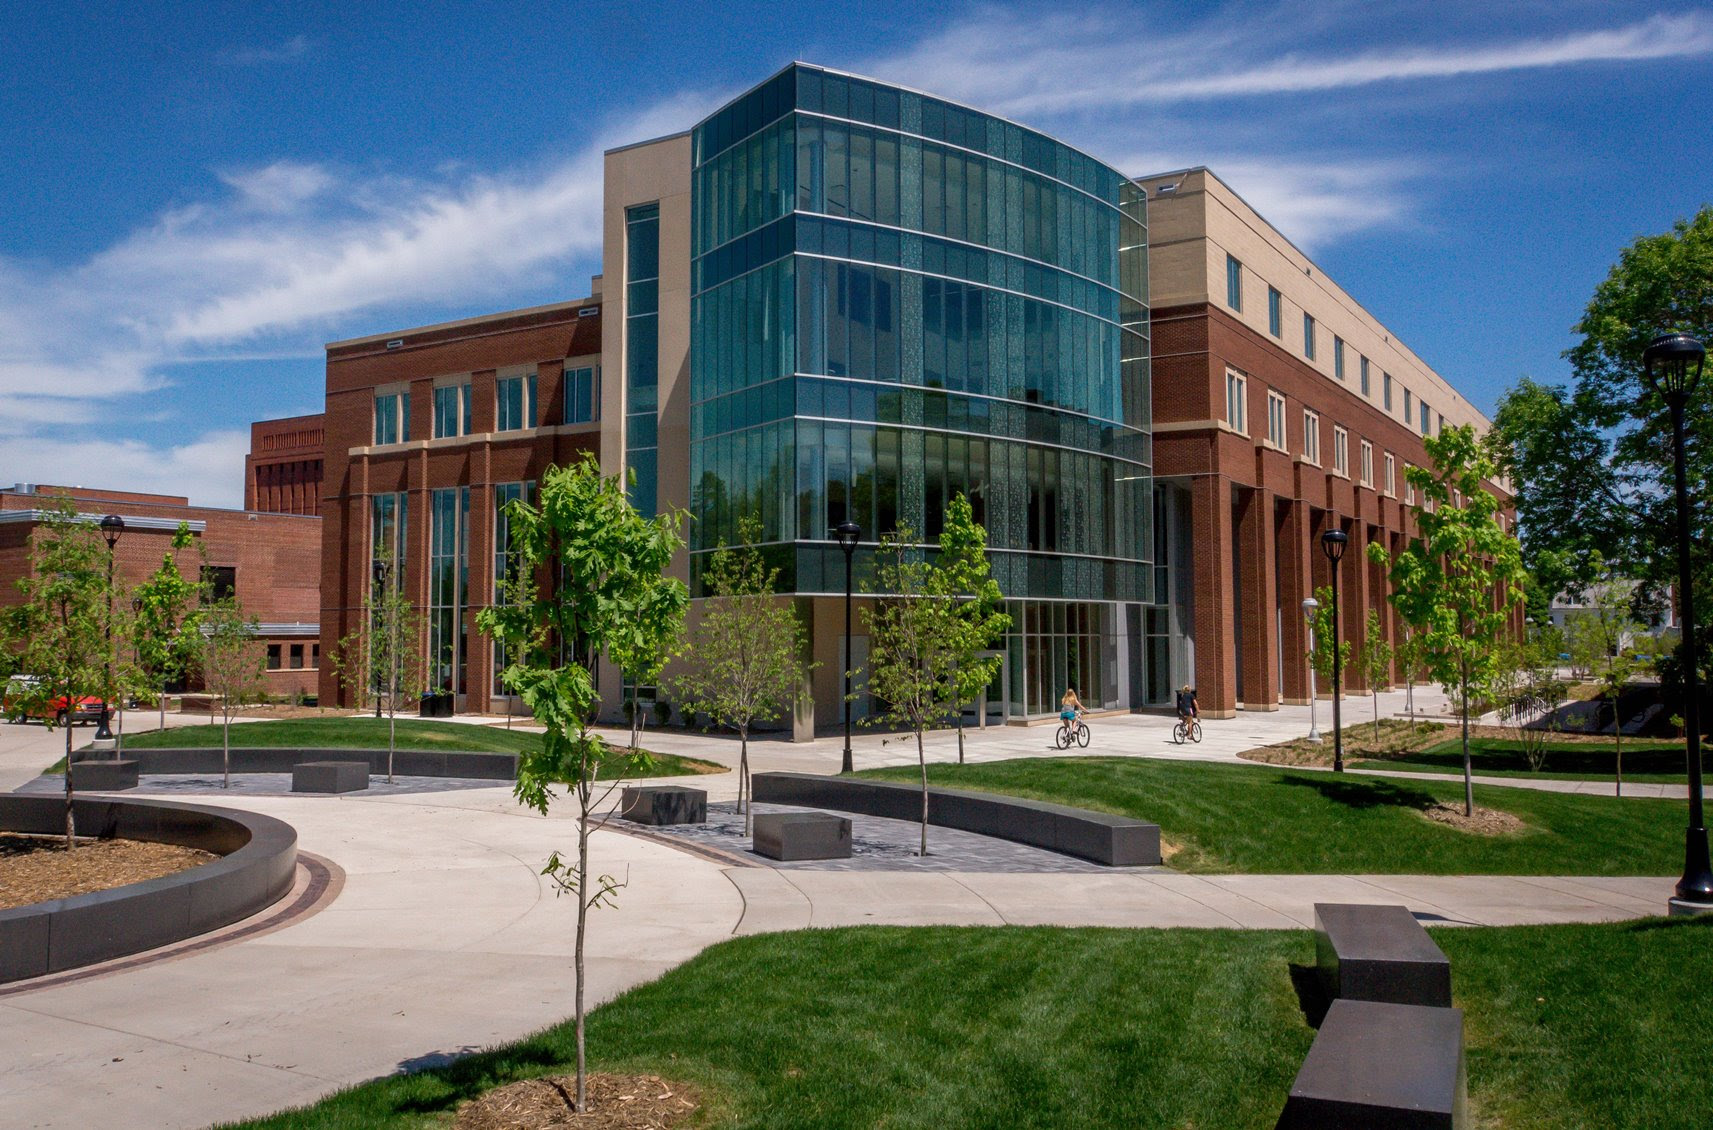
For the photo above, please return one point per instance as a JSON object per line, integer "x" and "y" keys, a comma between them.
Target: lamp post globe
{"x": 112, "y": 525}
{"x": 1673, "y": 363}
{"x": 1310, "y": 605}
{"x": 847, "y": 534}
{"x": 1333, "y": 543}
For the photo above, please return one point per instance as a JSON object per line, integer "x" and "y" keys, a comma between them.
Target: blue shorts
{"x": 1067, "y": 715}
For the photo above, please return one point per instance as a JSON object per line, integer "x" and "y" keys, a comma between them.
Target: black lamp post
{"x": 379, "y": 591}
{"x": 1333, "y": 543}
{"x": 848, "y": 534}
{"x": 111, "y": 527}
{"x": 1673, "y": 364}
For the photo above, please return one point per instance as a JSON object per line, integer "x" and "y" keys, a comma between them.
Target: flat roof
{"x": 460, "y": 323}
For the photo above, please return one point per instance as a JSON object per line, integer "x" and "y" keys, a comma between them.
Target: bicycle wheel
{"x": 1178, "y": 733}
{"x": 1195, "y": 731}
{"x": 1082, "y": 734}
{"x": 1062, "y": 738}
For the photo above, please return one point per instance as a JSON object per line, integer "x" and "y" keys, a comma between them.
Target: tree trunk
{"x": 745, "y": 803}
{"x": 225, "y": 744}
{"x": 1468, "y": 767}
{"x": 960, "y": 737}
{"x": 163, "y": 704}
{"x": 1375, "y": 695}
{"x": 70, "y": 820}
{"x": 1618, "y": 737}
{"x": 582, "y": 931}
{"x": 635, "y": 725}
{"x": 392, "y": 733}
{"x": 922, "y": 760}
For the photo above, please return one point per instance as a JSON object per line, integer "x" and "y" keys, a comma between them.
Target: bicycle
{"x": 1190, "y": 730}
{"x": 1072, "y": 730}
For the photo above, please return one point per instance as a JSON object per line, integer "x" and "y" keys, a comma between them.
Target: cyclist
{"x": 1187, "y": 708}
{"x": 1069, "y": 705}
{"x": 1070, "y": 709}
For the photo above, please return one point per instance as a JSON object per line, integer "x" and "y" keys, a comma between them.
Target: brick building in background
{"x": 270, "y": 562}
{"x": 282, "y": 472}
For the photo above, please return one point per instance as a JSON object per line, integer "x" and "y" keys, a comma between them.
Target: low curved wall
{"x": 1117, "y": 841}
{"x": 259, "y": 856}
{"x": 249, "y": 759}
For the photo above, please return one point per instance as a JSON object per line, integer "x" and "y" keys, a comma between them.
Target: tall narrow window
{"x": 1386, "y": 390}
{"x": 1366, "y": 391}
{"x": 392, "y": 417}
{"x": 1425, "y": 417}
{"x": 448, "y": 587}
{"x": 1409, "y": 488}
{"x": 1311, "y": 436}
{"x": 1308, "y": 337}
{"x": 1275, "y": 419}
{"x": 1407, "y": 406}
{"x": 1367, "y": 464}
{"x": 1340, "y": 450}
{"x": 582, "y": 396}
{"x": 1391, "y": 474}
{"x": 642, "y": 352}
{"x": 452, "y": 410}
{"x": 504, "y": 576}
{"x": 1275, "y": 315}
{"x": 514, "y": 403}
{"x": 1236, "y": 391}
{"x": 1338, "y": 357}
{"x": 1233, "y": 283}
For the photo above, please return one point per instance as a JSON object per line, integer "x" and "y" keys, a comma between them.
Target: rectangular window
{"x": 642, "y": 344}
{"x": 297, "y": 657}
{"x": 273, "y": 657}
{"x": 1275, "y": 316}
{"x": 1409, "y": 487}
{"x": 1440, "y": 426}
{"x": 219, "y": 582}
{"x": 1308, "y": 337}
{"x": 1391, "y": 475}
{"x": 1425, "y": 417}
{"x": 1386, "y": 390}
{"x": 504, "y": 494}
{"x": 452, "y": 410}
{"x": 1338, "y": 357}
{"x": 1367, "y": 464}
{"x": 392, "y": 417}
{"x": 1275, "y": 419}
{"x": 315, "y": 655}
{"x": 1311, "y": 436}
{"x": 387, "y": 521}
{"x": 1407, "y": 406}
{"x": 582, "y": 396}
{"x": 1340, "y": 450}
{"x": 514, "y": 403}
{"x": 1233, "y": 283}
{"x": 448, "y": 587}
{"x": 1366, "y": 391}
{"x": 1236, "y": 395}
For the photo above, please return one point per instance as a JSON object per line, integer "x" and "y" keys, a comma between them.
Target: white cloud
{"x": 280, "y": 186}
{"x": 208, "y": 469}
{"x": 287, "y": 51}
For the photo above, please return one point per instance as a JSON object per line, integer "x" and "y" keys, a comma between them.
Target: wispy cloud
{"x": 287, "y": 51}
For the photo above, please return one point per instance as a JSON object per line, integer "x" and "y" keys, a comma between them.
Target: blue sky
{"x": 194, "y": 198}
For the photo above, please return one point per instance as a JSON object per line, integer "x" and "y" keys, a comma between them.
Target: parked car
{"x": 20, "y": 687}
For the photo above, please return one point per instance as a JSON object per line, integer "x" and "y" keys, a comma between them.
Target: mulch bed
{"x": 1485, "y": 822}
{"x": 38, "y": 868}
{"x": 616, "y": 1102}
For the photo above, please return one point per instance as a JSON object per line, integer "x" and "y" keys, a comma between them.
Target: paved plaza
{"x": 437, "y": 935}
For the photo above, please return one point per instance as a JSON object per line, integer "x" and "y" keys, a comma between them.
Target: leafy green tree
{"x": 914, "y": 632}
{"x": 234, "y": 668}
{"x": 60, "y": 627}
{"x": 167, "y": 625}
{"x": 962, "y": 575}
{"x": 1323, "y": 657}
{"x": 1458, "y": 581}
{"x": 1410, "y": 665}
{"x": 606, "y": 568}
{"x": 1376, "y": 663}
{"x": 1602, "y": 635}
{"x": 383, "y": 657}
{"x": 1527, "y": 690}
{"x": 745, "y": 660}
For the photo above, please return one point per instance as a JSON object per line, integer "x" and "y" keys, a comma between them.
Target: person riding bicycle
{"x": 1187, "y": 708}
{"x": 1069, "y": 705}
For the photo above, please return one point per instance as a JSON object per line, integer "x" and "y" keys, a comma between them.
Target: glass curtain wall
{"x": 505, "y": 493}
{"x": 642, "y": 353}
{"x": 448, "y": 588}
{"x": 895, "y": 300}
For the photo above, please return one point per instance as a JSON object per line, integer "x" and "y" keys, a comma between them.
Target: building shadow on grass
{"x": 464, "y": 1075}
{"x": 1369, "y": 793}
{"x": 1700, "y": 921}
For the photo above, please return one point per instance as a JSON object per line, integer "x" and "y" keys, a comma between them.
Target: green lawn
{"x": 371, "y": 733}
{"x": 1262, "y": 819}
{"x": 1644, "y": 760}
{"x": 941, "y": 1028}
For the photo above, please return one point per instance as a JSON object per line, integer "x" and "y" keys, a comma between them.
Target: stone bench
{"x": 1377, "y": 1065}
{"x": 1378, "y": 953}
{"x": 789, "y": 836}
{"x": 329, "y": 776}
{"x": 104, "y": 775}
{"x": 663, "y": 804}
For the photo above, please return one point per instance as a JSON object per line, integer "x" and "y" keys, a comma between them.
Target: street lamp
{"x": 1309, "y": 607}
{"x": 111, "y": 527}
{"x": 1333, "y": 543}
{"x": 379, "y": 591}
{"x": 1673, "y": 363}
{"x": 848, "y": 534}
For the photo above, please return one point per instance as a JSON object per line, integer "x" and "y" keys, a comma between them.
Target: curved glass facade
{"x": 895, "y": 299}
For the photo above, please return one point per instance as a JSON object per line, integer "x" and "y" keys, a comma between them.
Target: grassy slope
{"x": 1567, "y": 1027}
{"x": 1260, "y": 819}
{"x": 1579, "y": 761}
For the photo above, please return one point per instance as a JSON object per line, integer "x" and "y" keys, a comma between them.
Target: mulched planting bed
{"x": 38, "y": 868}
{"x": 616, "y": 1102}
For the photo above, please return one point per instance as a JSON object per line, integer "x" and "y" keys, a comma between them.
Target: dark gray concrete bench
{"x": 329, "y": 776}
{"x": 788, "y": 836}
{"x": 1382, "y": 1066}
{"x": 103, "y": 776}
{"x": 1378, "y": 953}
{"x": 406, "y": 762}
{"x": 663, "y": 804}
{"x": 1117, "y": 841}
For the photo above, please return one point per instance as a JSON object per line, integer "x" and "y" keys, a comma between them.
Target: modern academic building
{"x": 836, "y": 300}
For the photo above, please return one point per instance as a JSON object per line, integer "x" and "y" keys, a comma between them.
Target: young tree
{"x": 913, "y": 637}
{"x": 1376, "y": 664}
{"x": 60, "y": 626}
{"x": 1603, "y": 635}
{"x": 1527, "y": 689}
{"x": 1459, "y": 580}
{"x": 745, "y": 659}
{"x": 395, "y": 647}
{"x": 1410, "y": 664}
{"x": 234, "y": 668}
{"x": 605, "y": 566}
{"x": 962, "y": 575}
{"x": 641, "y": 649}
{"x": 1325, "y": 662}
{"x": 168, "y": 622}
